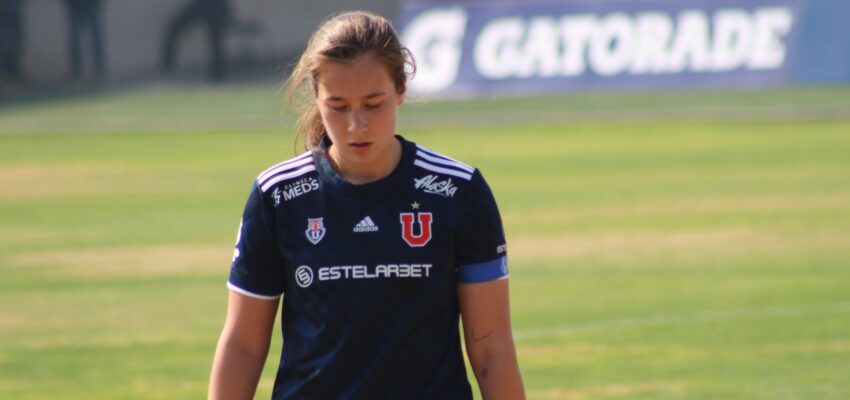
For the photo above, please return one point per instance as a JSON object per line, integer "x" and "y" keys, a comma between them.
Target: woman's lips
{"x": 360, "y": 145}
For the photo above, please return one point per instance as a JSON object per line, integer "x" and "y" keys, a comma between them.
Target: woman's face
{"x": 358, "y": 102}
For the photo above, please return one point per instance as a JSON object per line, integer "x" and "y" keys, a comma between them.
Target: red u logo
{"x": 424, "y": 235}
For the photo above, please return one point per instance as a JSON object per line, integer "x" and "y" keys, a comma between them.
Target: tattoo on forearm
{"x": 476, "y": 339}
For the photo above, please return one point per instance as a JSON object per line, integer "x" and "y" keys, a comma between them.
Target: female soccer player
{"x": 376, "y": 244}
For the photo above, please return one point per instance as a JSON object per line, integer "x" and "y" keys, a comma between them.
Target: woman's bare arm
{"x": 242, "y": 347}
{"x": 489, "y": 341}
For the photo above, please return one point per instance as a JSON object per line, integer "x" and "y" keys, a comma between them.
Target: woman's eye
{"x": 339, "y": 108}
{"x": 376, "y": 105}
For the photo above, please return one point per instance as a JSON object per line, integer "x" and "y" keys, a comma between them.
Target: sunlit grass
{"x": 657, "y": 255}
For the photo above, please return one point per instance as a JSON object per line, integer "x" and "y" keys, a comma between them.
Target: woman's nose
{"x": 356, "y": 122}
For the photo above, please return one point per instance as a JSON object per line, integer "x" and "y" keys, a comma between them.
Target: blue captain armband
{"x": 483, "y": 272}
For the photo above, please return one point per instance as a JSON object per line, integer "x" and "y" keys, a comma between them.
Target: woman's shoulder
{"x": 439, "y": 163}
{"x": 437, "y": 173}
{"x": 292, "y": 169}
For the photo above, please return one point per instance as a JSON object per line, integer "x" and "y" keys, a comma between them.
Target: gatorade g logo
{"x": 425, "y": 219}
{"x": 436, "y": 38}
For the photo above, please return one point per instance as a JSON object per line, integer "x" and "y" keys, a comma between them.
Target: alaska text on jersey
{"x": 430, "y": 184}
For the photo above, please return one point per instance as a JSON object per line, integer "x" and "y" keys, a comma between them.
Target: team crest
{"x": 315, "y": 230}
{"x": 416, "y": 240}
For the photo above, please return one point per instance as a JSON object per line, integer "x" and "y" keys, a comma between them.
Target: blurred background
{"x": 673, "y": 176}
{"x": 50, "y": 43}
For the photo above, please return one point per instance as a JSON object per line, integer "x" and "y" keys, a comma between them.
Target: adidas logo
{"x": 365, "y": 225}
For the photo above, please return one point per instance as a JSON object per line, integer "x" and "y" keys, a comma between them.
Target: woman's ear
{"x": 401, "y": 94}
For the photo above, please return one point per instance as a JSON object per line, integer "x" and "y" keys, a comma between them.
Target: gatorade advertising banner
{"x": 480, "y": 47}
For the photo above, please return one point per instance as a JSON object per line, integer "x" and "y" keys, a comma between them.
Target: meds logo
{"x": 276, "y": 196}
{"x": 295, "y": 189}
{"x": 304, "y": 276}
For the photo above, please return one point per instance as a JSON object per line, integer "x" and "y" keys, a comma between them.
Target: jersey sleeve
{"x": 481, "y": 252}
{"x": 257, "y": 268}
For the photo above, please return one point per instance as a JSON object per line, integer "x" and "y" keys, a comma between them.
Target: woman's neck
{"x": 368, "y": 172}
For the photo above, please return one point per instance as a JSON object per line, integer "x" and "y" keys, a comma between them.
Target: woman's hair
{"x": 341, "y": 39}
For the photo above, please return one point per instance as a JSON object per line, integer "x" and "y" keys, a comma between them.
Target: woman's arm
{"x": 485, "y": 310}
{"x": 242, "y": 347}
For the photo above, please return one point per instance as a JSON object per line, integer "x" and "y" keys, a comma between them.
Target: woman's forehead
{"x": 365, "y": 76}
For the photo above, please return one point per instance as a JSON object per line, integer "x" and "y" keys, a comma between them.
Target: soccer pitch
{"x": 664, "y": 245}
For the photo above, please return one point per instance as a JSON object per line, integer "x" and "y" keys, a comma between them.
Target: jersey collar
{"x": 333, "y": 180}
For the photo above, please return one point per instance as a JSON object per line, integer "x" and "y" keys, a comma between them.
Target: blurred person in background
{"x": 11, "y": 39}
{"x": 215, "y": 17}
{"x": 400, "y": 243}
{"x": 85, "y": 15}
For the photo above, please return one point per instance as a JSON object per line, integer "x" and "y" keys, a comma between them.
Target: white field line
{"x": 688, "y": 319}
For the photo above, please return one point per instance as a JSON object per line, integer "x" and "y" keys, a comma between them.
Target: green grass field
{"x": 663, "y": 246}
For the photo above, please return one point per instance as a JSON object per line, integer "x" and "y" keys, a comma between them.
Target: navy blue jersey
{"x": 369, "y": 273}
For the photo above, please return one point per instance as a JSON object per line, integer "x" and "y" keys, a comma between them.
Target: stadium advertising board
{"x": 475, "y": 47}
